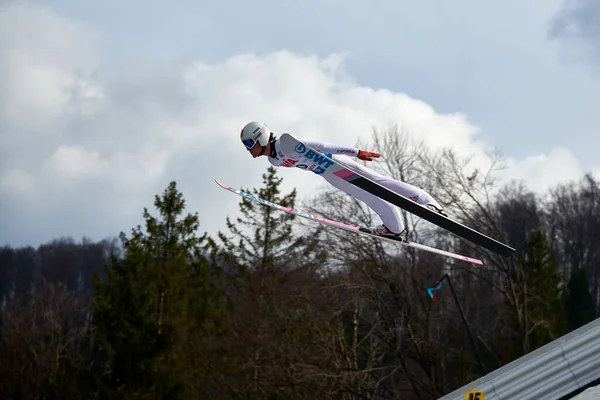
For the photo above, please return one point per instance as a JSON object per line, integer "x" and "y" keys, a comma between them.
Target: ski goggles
{"x": 249, "y": 143}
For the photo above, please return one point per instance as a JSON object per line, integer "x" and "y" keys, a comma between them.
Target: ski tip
{"x": 222, "y": 184}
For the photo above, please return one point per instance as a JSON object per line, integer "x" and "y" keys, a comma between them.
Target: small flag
{"x": 433, "y": 290}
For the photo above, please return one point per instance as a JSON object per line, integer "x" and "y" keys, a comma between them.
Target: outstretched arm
{"x": 337, "y": 149}
{"x": 331, "y": 148}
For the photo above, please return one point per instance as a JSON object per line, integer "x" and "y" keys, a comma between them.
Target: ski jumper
{"x": 388, "y": 212}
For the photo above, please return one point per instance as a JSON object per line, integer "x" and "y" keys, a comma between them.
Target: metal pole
{"x": 462, "y": 315}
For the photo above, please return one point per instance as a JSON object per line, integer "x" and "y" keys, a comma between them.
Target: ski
{"x": 351, "y": 228}
{"x": 326, "y": 165}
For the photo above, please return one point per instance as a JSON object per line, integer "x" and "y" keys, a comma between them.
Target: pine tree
{"x": 579, "y": 304}
{"x": 161, "y": 289}
{"x": 275, "y": 270}
{"x": 535, "y": 295}
{"x": 270, "y": 242}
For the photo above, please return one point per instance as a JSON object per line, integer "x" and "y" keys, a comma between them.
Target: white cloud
{"x": 576, "y": 23}
{"x": 79, "y": 146}
{"x": 45, "y": 62}
{"x": 543, "y": 171}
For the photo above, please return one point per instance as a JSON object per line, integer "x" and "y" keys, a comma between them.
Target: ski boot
{"x": 382, "y": 230}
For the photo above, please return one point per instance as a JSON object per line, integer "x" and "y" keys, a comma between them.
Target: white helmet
{"x": 253, "y": 132}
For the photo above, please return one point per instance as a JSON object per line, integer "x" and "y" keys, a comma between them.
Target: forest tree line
{"x": 282, "y": 307}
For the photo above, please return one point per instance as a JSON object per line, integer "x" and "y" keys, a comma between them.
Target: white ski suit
{"x": 388, "y": 212}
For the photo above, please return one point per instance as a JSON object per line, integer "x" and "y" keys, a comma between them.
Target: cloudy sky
{"x": 102, "y": 103}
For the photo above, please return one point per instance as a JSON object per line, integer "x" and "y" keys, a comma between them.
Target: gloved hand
{"x": 367, "y": 155}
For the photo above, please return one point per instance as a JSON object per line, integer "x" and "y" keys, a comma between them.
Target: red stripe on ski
{"x": 344, "y": 173}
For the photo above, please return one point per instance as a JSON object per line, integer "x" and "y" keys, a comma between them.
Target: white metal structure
{"x": 554, "y": 371}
